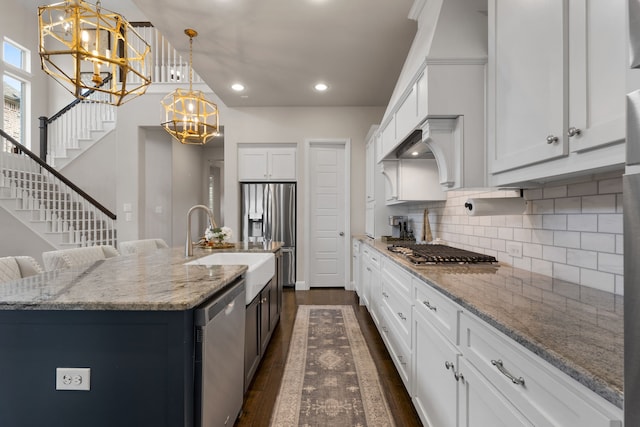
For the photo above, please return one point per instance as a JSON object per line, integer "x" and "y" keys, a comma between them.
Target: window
{"x": 15, "y": 88}
{"x": 14, "y": 55}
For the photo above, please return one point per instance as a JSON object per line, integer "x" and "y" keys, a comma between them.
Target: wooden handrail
{"x": 58, "y": 175}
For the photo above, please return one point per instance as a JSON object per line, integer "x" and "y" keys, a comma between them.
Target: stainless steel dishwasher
{"x": 219, "y": 364}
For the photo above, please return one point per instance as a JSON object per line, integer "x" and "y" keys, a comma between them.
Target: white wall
{"x": 100, "y": 159}
{"x": 295, "y": 125}
{"x": 571, "y": 232}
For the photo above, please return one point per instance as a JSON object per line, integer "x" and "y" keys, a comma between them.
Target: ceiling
{"x": 278, "y": 49}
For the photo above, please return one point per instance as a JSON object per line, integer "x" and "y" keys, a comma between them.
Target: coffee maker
{"x": 400, "y": 227}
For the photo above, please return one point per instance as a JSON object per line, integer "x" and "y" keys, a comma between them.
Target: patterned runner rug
{"x": 329, "y": 378}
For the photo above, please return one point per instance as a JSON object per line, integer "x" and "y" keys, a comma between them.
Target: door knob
{"x": 342, "y": 233}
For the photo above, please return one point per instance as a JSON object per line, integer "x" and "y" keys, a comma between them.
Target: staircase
{"x": 75, "y": 129}
{"x": 48, "y": 204}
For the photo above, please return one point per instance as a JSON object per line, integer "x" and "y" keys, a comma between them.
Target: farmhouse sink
{"x": 262, "y": 267}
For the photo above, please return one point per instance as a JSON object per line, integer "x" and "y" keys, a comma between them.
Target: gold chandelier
{"x": 84, "y": 47}
{"x": 189, "y": 116}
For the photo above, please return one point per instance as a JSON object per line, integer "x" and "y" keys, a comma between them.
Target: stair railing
{"x": 73, "y": 122}
{"x": 53, "y": 198}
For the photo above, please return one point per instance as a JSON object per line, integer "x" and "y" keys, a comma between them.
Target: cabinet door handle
{"x": 402, "y": 316}
{"x": 498, "y": 364}
{"x": 458, "y": 376}
{"x": 384, "y": 328}
{"x": 448, "y": 365}
{"x": 551, "y": 139}
{"x": 573, "y": 131}
{"x": 429, "y": 306}
{"x": 401, "y": 359}
{"x": 386, "y": 295}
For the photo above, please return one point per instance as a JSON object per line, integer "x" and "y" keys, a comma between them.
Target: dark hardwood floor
{"x": 261, "y": 396}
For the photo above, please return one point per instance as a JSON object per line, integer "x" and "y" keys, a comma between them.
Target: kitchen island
{"x": 130, "y": 319}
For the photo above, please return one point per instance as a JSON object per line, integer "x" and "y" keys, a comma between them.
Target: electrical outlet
{"x": 514, "y": 249}
{"x": 73, "y": 379}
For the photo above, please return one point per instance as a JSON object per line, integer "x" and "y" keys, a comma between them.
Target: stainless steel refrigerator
{"x": 631, "y": 212}
{"x": 269, "y": 214}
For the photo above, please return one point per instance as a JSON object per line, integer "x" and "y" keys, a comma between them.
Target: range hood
{"x": 413, "y": 147}
{"x": 440, "y": 139}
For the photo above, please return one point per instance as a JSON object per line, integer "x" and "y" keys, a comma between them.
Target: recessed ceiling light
{"x": 414, "y": 153}
{"x": 237, "y": 87}
{"x": 321, "y": 87}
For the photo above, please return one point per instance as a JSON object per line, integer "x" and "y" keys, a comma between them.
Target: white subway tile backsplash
{"x": 554, "y": 192}
{"x": 582, "y": 189}
{"x": 554, "y": 253}
{"x": 566, "y": 272}
{"x": 599, "y": 242}
{"x": 619, "y": 285}
{"x": 543, "y": 206}
{"x": 611, "y": 263}
{"x": 542, "y": 267}
{"x": 544, "y": 237}
{"x": 610, "y": 223}
{"x": 568, "y": 205}
{"x": 505, "y": 233}
{"x": 605, "y": 203}
{"x": 580, "y": 258}
{"x": 597, "y": 279}
{"x": 522, "y": 234}
{"x": 607, "y": 186}
{"x": 572, "y": 232}
{"x": 567, "y": 239}
{"x": 532, "y": 250}
{"x": 533, "y": 194}
{"x": 619, "y": 244}
{"x": 554, "y": 222}
{"x": 582, "y": 222}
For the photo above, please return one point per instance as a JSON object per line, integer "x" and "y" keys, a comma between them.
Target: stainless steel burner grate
{"x": 439, "y": 254}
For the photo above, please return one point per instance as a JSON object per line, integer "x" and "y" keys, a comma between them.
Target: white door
{"x": 328, "y": 219}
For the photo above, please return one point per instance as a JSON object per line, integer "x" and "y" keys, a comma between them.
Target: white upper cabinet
{"x": 597, "y": 70}
{"x": 266, "y": 163}
{"x": 528, "y": 67}
{"x": 555, "y": 89}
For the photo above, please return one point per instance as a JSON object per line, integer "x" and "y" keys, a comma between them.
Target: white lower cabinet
{"x": 435, "y": 367}
{"x": 356, "y": 269}
{"x": 462, "y": 372}
{"x": 542, "y": 393}
{"x": 482, "y": 405}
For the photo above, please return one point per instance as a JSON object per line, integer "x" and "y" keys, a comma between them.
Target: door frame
{"x": 323, "y": 142}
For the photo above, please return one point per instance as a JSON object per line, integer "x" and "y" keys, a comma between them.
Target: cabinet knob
{"x": 402, "y": 316}
{"x": 551, "y": 139}
{"x": 341, "y": 233}
{"x": 448, "y": 365}
{"x": 573, "y": 131}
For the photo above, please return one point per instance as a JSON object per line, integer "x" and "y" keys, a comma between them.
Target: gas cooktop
{"x": 439, "y": 254}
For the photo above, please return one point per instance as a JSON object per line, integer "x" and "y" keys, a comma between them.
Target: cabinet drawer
{"x": 399, "y": 313}
{"x": 400, "y": 353}
{"x": 372, "y": 255}
{"x": 394, "y": 276}
{"x": 544, "y": 394}
{"x": 441, "y": 312}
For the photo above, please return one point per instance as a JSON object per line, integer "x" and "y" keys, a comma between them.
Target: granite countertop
{"x": 157, "y": 281}
{"x": 577, "y": 329}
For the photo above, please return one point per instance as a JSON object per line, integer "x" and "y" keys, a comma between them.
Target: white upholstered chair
{"x": 17, "y": 267}
{"x": 65, "y": 258}
{"x": 141, "y": 246}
